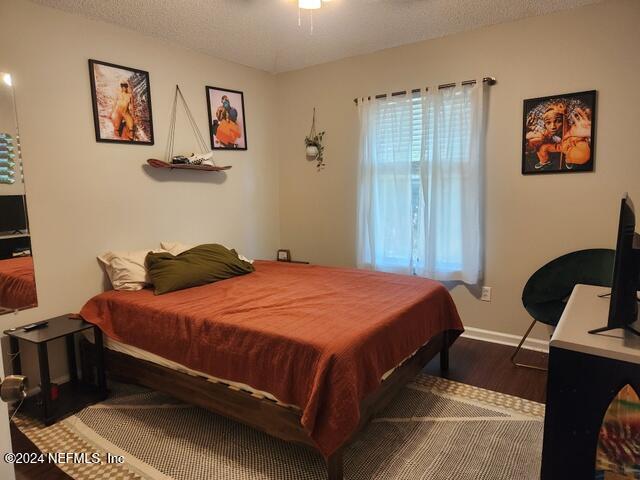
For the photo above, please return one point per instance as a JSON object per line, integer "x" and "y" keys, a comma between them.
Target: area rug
{"x": 434, "y": 429}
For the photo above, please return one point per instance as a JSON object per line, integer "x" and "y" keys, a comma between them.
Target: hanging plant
{"x": 313, "y": 142}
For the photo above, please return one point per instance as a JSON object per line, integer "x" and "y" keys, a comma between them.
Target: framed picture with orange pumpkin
{"x": 227, "y": 122}
{"x": 558, "y": 133}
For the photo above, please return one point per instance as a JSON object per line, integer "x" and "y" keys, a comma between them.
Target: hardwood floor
{"x": 473, "y": 362}
{"x": 488, "y": 365}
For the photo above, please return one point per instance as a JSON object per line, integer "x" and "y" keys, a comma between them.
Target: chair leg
{"x": 515, "y": 353}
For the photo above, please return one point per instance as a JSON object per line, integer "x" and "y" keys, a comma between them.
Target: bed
{"x": 303, "y": 352}
{"x": 17, "y": 283}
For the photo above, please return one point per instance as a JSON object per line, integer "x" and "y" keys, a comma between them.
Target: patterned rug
{"x": 434, "y": 429}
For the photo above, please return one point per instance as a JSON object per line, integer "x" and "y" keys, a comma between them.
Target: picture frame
{"x": 558, "y": 133}
{"x": 121, "y": 100}
{"x": 284, "y": 255}
{"x": 227, "y": 120}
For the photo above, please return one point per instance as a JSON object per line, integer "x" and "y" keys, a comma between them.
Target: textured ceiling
{"x": 264, "y": 33}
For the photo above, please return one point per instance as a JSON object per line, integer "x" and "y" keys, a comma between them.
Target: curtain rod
{"x": 487, "y": 80}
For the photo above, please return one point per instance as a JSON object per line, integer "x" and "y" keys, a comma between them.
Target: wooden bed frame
{"x": 261, "y": 413}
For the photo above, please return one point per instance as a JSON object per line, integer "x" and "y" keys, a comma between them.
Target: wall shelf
{"x": 155, "y": 163}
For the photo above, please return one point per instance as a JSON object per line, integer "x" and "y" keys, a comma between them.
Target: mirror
{"x": 17, "y": 280}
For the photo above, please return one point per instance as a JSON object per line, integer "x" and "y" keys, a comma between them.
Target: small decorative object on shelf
{"x": 284, "y": 255}
{"x": 195, "y": 161}
{"x": 313, "y": 142}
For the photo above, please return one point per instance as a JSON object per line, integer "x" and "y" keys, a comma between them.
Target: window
{"x": 420, "y": 184}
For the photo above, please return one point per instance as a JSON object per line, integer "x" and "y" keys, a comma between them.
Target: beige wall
{"x": 529, "y": 220}
{"x": 87, "y": 197}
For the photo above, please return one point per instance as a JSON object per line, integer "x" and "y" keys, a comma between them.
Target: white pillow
{"x": 176, "y": 248}
{"x": 126, "y": 270}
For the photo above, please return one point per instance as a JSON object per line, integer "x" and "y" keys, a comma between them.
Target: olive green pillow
{"x": 198, "y": 266}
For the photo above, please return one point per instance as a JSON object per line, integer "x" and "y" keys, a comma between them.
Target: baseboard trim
{"x": 505, "y": 339}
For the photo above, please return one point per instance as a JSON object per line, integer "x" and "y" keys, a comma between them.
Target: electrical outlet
{"x": 486, "y": 294}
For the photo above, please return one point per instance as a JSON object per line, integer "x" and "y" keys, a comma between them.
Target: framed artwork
{"x": 558, "y": 133}
{"x": 121, "y": 104}
{"x": 284, "y": 255}
{"x": 617, "y": 456}
{"x": 227, "y": 123}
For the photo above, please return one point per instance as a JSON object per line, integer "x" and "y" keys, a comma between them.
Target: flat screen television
{"x": 623, "y": 308}
{"x": 13, "y": 216}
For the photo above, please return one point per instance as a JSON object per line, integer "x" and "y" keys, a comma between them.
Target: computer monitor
{"x": 623, "y": 309}
{"x": 13, "y": 214}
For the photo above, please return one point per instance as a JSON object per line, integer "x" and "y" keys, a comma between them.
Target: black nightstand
{"x": 77, "y": 393}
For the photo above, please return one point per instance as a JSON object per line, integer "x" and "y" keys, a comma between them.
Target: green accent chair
{"x": 547, "y": 291}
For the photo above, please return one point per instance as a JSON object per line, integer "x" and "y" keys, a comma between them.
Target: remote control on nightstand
{"x": 36, "y": 325}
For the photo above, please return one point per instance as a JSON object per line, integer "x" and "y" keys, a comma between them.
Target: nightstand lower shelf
{"x": 71, "y": 399}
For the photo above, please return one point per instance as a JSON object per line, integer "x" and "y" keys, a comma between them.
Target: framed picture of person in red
{"x": 228, "y": 130}
{"x": 558, "y": 133}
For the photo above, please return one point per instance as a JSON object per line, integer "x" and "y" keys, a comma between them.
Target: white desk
{"x": 586, "y": 372}
{"x": 586, "y": 311}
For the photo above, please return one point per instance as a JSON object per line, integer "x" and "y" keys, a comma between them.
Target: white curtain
{"x": 420, "y": 193}
{"x": 384, "y": 198}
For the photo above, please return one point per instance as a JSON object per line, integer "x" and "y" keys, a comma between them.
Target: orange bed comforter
{"x": 17, "y": 283}
{"x": 316, "y": 337}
